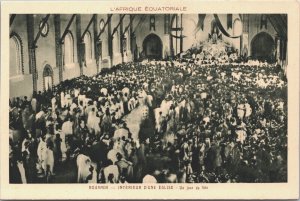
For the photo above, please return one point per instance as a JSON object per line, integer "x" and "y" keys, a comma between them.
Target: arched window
{"x": 68, "y": 49}
{"x": 88, "y": 46}
{"x": 16, "y": 63}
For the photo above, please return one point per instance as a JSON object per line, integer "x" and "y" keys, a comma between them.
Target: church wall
{"x": 91, "y": 67}
{"x": 143, "y": 30}
{"x": 105, "y": 58}
{"x": 19, "y": 26}
{"x": 45, "y": 51}
{"x": 73, "y": 70}
{"x": 128, "y": 53}
{"x": 254, "y": 29}
{"x": 25, "y": 81}
{"x": 234, "y": 41}
{"x": 117, "y": 59}
{"x": 195, "y": 36}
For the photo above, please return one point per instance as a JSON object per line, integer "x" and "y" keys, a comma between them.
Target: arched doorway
{"x": 152, "y": 47}
{"x": 48, "y": 77}
{"x": 262, "y": 46}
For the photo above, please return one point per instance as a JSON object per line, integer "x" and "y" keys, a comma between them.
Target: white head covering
{"x": 149, "y": 179}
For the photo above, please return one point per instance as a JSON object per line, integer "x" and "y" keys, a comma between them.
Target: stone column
{"x": 58, "y": 46}
{"x": 31, "y": 52}
{"x": 79, "y": 43}
{"x": 110, "y": 40}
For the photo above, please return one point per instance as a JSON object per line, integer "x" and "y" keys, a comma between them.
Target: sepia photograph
{"x": 127, "y": 100}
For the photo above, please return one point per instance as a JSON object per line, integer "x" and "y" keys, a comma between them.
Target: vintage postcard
{"x": 150, "y": 100}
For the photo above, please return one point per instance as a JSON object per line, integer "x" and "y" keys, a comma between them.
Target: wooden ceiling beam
{"x": 130, "y": 23}
{"x": 87, "y": 28}
{"x": 120, "y": 21}
{"x": 11, "y": 19}
{"x": 102, "y": 31}
{"x": 67, "y": 28}
{"x": 40, "y": 31}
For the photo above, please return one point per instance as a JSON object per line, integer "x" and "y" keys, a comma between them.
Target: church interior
{"x": 152, "y": 98}
{"x": 68, "y": 46}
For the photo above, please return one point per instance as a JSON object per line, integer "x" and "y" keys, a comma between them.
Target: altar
{"x": 214, "y": 48}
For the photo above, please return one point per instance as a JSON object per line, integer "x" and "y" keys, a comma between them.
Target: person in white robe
{"x": 280, "y": 105}
{"x": 87, "y": 101}
{"x": 112, "y": 155}
{"x": 68, "y": 100}
{"x": 76, "y": 92}
{"x": 26, "y": 142}
{"x": 131, "y": 104}
{"x": 81, "y": 98}
{"x": 177, "y": 113}
{"x": 113, "y": 108}
{"x": 161, "y": 119}
{"x": 149, "y": 179}
{"x": 53, "y": 104}
{"x": 111, "y": 174}
{"x": 241, "y": 132}
{"x": 72, "y": 107}
{"x": 149, "y": 100}
{"x": 40, "y": 115}
{"x": 142, "y": 95}
{"x": 241, "y": 111}
{"x": 118, "y": 113}
{"x": 91, "y": 120}
{"x": 125, "y": 90}
{"x": 96, "y": 125}
{"x": 49, "y": 160}
{"x": 62, "y": 99}
{"x": 248, "y": 110}
{"x": 41, "y": 152}
{"x": 33, "y": 104}
{"x": 22, "y": 171}
{"x": 227, "y": 110}
{"x": 165, "y": 106}
{"x": 104, "y": 91}
{"x": 121, "y": 132}
{"x": 119, "y": 146}
{"x": 67, "y": 127}
{"x": 145, "y": 86}
{"x": 203, "y": 95}
{"x": 121, "y": 108}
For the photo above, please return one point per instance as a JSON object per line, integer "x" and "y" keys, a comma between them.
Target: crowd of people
{"x": 157, "y": 122}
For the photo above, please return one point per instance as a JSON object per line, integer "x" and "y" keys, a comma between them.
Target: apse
{"x": 197, "y": 29}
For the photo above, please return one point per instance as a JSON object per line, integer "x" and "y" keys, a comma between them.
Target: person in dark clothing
{"x": 58, "y": 153}
{"x": 14, "y": 173}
